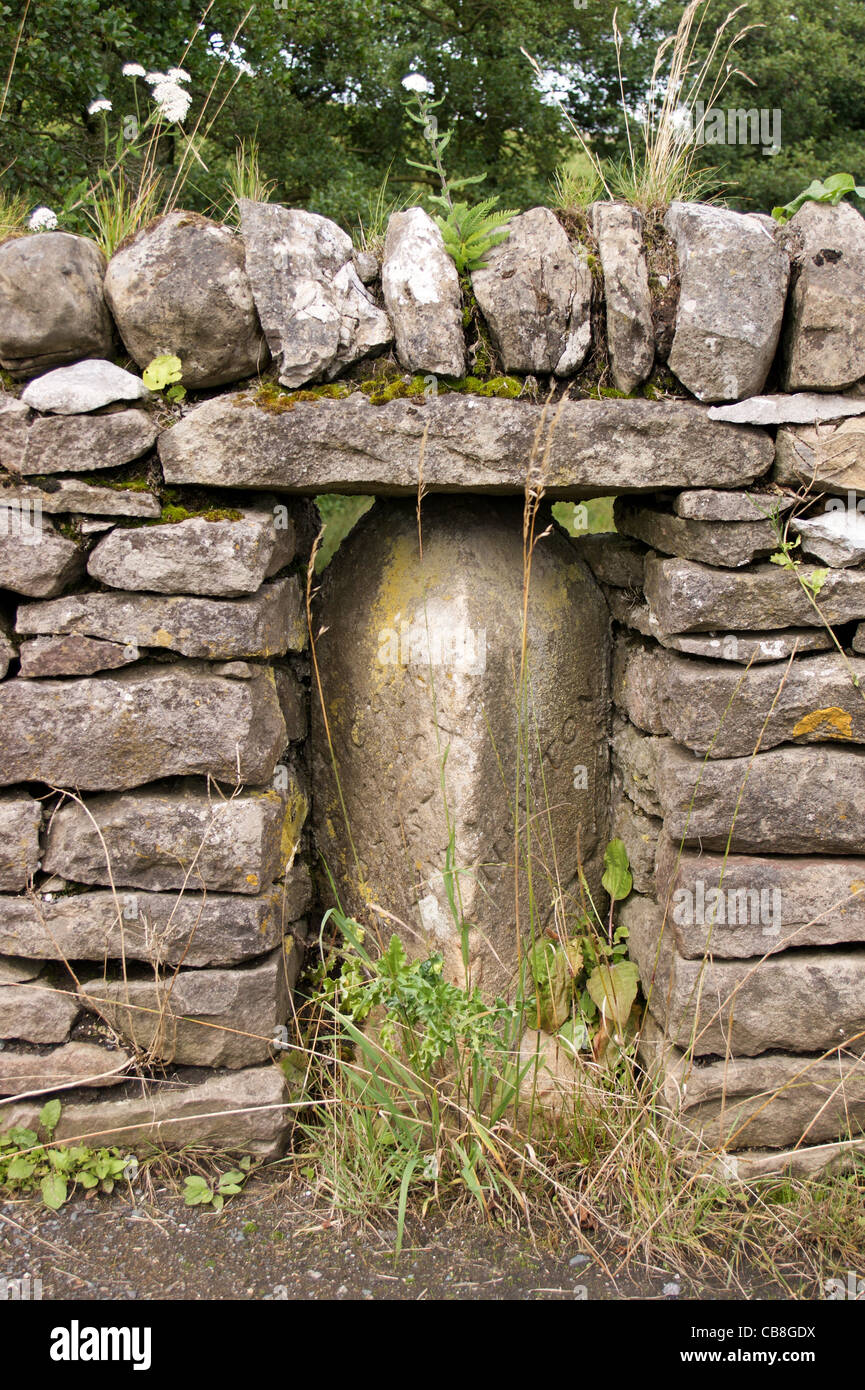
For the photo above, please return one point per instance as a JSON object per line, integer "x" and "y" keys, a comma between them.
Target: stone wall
{"x": 155, "y": 854}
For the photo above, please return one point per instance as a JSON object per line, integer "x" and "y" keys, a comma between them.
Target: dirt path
{"x": 272, "y": 1242}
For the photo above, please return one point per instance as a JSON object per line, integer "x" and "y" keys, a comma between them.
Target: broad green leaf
{"x": 614, "y": 989}
{"x": 49, "y": 1115}
{"x": 552, "y": 977}
{"x": 54, "y": 1191}
{"x": 161, "y": 372}
{"x": 20, "y": 1169}
{"x": 617, "y": 877}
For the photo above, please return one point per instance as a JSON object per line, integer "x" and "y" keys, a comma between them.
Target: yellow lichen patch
{"x": 296, "y": 811}
{"x": 857, "y": 885}
{"x": 831, "y": 723}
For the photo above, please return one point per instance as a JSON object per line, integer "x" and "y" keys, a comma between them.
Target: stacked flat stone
{"x": 153, "y": 707}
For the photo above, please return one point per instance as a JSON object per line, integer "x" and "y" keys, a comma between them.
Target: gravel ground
{"x": 273, "y": 1242}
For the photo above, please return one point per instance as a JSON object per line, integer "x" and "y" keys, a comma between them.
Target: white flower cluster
{"x": 100, "y": 104}
{"x": 42, "y": 220}
{"x": 415, "y": 82}
{"x": 167, "y": 91}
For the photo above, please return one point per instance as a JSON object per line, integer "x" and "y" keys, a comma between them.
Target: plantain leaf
{"x": 617, "y": 877}
{"x": 614, "y": 989}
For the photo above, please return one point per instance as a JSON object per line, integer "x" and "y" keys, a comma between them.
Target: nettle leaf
{"x": 614, "y": 989}
{"x": 617, "y": 877}
{"x": 161, "y": 372}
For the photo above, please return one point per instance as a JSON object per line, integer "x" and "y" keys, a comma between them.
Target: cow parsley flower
{"x": 133, "y": 70}
{"x": 173, "y": 102}
{"x": 415, "y": 82}
{"x": 42, "y": 220}
{"x": 101, "y": 104}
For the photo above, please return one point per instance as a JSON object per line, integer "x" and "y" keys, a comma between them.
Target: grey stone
{"x": 742, "y": 905}
{"x": 422, "y": 296}
{"x": 52, "y": 308}
{"x": 395, "y": 718}
{"x": 535, "y": 292}
{"x": 804, "y": 408}
{"x": 20, "y": 824}
{"x": 729, "y": 544}
{"x": 829, "y": 459}
{"x": 201, "y": 1018}
{"x": 292, "y": 703}
{"x": 74, "y": 1064}
{"x": 316, "y": 315}
{"x": 102, "y": 733}
{"x": 265, "y": 624}
{"x": 34, "y": 559}
{"x": 72, "y": 656}
{"x": 77, "y": 443}
{"x": 749, "y": 1101}
{"x": 64, "y": 495}
{"x": 824, "y": 336}
{"x": 804, "y": 1161}
{"x": 180, "y": 287}
{"x": 717, "y": 709}
{"x": 837, "y": 538}
{"x": 243, "y": 1111}
{"x": 639, "y": 833}
{"x": 83, "y": 386}
{"x": 473, "y": 443}
{"x": 759, "y": 801}
{"x": 196, "y": 556}
{"x": 367, "y": 265}
{"x": 192, "y": 929}
{"x": 614, "y": 560}
{"x": 36, "y": 1013}
{"x": 688, "y": 597}
{"x": 734, "y": 277}
{"x": 749, "y": 648}
{"x": 164, "y": 838}
{"x": 635, "y": 766}
{"x": 797, "y": 1001}
{"x": 710, "y": 504}
{"x": 14, "y": 971}
{"x": 630, "y": 334}
{"x": 7, "y": 650}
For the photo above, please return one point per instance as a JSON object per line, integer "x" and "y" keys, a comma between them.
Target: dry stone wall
{"x": 685, "y": 694}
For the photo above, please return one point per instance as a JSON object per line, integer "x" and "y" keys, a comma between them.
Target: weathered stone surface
{"x": 316, "y": 315}
{"x": 34, "y": 559}
{"x": 36, "y": 1013}
{"x": 824, "y": 336}
{"x": 83, "y": 386}
{"x": 60, "y": 495}
{"x": 836, "y": 538}
{"x": 630, "y": 335}
{"x": 265, "y": 624}
{"x": 196, "y": 556}
{"x": 730, "y": 544}
{"x": 797, "y": 1001}
{"x": 749, "y": 1101}
{"x": 734, "y": 278}
{"x": 760, "y": 798}
{"x": 293, "y": 703}
{"x": 392, "y": 718}
{"x": 13, "y": 970}
{"x": 102, "y": 733}
{"x": 197, "y": 930}
{"x": 709, "y": 504}
{"x": 201, "y": 1018}
{"x": 74, "y": 443}
{"x": 688, "y": 597}
{"x": 367, "y": 265}
{"x": 535, "y": 292}
{"x": 20, "y": 823}
{"x": 72, "y": 656}
{"x": 828, "y": 459}
{"x": 750, "y": 647}
{"x": 640, "y": 834}
{"x": 748, "y": 905}
{"x": 422, "y": 296}
{"x": 804, "y": 1161}
{"x": 474, "y": 443}
{"x": 180, "y": 286}
{"x": 51, "y": 305}
{"x": 243, "y": 1110}
{"x": 804, "y": 408}
{"x": 7, "y": 650}
{"x": 717, "y": 709}
{"x": 165, "y": 838}
{"x": 635, "y": 765}
{"x": 74, "y": 1064}
{"x": 614, "y": 559}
